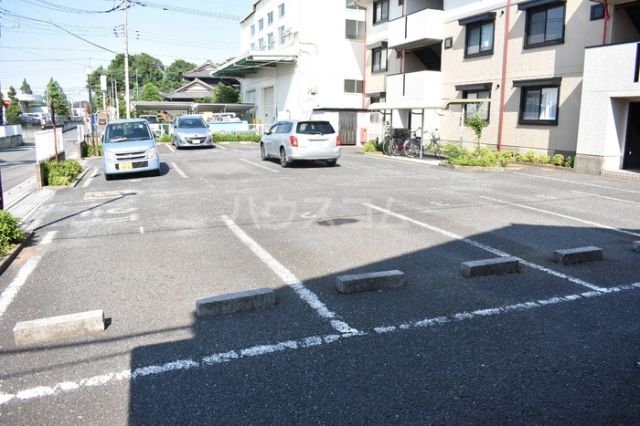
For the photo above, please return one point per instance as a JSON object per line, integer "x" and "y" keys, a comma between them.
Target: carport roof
{"x": 252, "y": 62}
{"x": 190, "y": 106}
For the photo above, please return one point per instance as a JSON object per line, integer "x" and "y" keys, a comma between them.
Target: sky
{"x": 193, "y": 30}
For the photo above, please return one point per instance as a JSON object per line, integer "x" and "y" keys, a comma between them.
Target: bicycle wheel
{"x": 396, "y": 147}
{"x": 386, "y": 147}
{"x": 411, "y": 148}
{"x": 436, "y": 150}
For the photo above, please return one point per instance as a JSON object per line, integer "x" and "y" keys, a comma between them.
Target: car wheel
{"x": 332, "y": 163}
{"x": 263, "y": 154}
{"x": 107, "y": 176}
{"x": 284, "y": 161}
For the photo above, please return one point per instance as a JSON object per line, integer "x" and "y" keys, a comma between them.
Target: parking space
{"x": 219, "y": 221}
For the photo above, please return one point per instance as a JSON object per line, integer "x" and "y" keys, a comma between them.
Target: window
{"x": 281, "y": 36}
{"x": 269, "y": 18}
{"x": 253, "y": 46}
{"x": 539, "y": 105}
{"x": 597, "y": 12}
{"x": 260, "y": 24}
{"x": 353, "y": 86}
{"x": 380, "y": 11}
{"x": 281, "y": 10}
{"x": 270, "y": 41}
{"x": 354, "y": 29}
{"x": 313, "y": 127}
{"x": 253, "y": 30}
{"x": 351, "y": 4}
{"x": 379, "y": 59}
{"x": 261, "y": 43}
{"x": 544, "y": 26}
{"x": 479, "y": 39}
{"x": 472, "y": 109}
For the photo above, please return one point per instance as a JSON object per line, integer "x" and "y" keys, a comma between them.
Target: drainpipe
{"x": 606, "y": 22}
{"x": 364, "y": 60}
{"x": 503, "y": 81}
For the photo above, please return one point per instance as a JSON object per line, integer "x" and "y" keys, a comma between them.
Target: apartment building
{"x": 302, "y": 57}
{"x": 520, "y": 64}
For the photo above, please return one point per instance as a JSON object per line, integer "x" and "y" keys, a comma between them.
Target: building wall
{"x": 559, "y": 60}
{"x": 316, "y": 34}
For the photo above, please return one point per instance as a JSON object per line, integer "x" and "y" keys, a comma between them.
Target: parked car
{"x": 35, "y": 118}
{"x": 191, "y": 130}
{"x": 154, "y": 124}
{"x": 292, "y": 140}
{"x": 129, "y": 147}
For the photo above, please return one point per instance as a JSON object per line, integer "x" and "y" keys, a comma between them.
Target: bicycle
{"x": 393, "y": 142}
{"x": 413, "y": 144}
{"x": 434, "y": 144}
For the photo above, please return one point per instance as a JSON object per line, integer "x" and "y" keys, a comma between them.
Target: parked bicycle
{"x": 394, "y": 141}
{"x": 413, "y": 146}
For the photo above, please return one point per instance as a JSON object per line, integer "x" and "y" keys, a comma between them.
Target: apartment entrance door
{"x": 631, "y": 158}
{"x": 348, "y": 127}
{"x": 269, "y": 105}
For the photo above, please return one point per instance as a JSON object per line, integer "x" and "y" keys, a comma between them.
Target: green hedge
{"x": 231, "y": 137}
{"x": 483, "y": 157}
{"x": 88, "y": 150}
{"x": 10, "y": 231}
{"x": 371, "y": 146}
{"x": 164, "y": 138}
{"x": 61, "y": 173}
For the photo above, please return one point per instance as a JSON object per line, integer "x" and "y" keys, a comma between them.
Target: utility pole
{"x": 126, "y": 58}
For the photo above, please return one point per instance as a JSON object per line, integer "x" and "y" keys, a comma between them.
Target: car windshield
{"x": 124, "y": 132}
{"x": 314, "y": 127}
{"x": 151, "y": 119}
{"x": 191, "y": 123}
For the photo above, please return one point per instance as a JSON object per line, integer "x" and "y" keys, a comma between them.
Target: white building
{"x": 303, "y": 57}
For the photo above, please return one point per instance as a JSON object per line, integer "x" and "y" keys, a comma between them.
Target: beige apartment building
{"x": 528, "y": 60}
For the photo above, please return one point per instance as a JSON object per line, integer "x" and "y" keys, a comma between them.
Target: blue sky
{"x": 38, "y": 51}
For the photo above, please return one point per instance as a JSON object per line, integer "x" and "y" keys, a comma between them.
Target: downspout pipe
{"x": 503, "y": 81}
{"x": 606, "y": 22}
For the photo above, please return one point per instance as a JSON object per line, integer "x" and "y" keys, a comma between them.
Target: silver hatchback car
{"x": 191, "y": 130}
{"x": 292, "y": 140}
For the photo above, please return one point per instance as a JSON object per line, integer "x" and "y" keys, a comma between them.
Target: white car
{"x": 292, "y": 140}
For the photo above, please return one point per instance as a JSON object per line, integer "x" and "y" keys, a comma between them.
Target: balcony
{"x": 415, "y": 88}
{"x": 417, "y": 29}
{"x": 612, "y": 68}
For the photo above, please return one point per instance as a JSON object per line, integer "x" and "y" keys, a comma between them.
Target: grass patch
{"x": 233, "y": 137}
{"x": 164, "y": 138}
{"x": 10, "y": 231}
{"x": 371, "y": 146}
{"x": 61, "y": 173}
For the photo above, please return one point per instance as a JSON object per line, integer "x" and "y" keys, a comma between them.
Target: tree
{"x": 13, "y": 112}
{"x": 173, "y": 75}
{"x": 477, "y": 123}
{"x": 55, "y": 94}
{"x": 25, "y": 88}
{"x": 150, "y": 92}
{"x": 224, "y": 94}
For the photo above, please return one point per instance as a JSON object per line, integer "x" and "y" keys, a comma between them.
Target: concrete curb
{"x": 636, "y": 246}
{"x": 7, "y": 259}
{"x": 57, "y": 328}
{"x": 371, "y": 281}
{"x": 424, "y": 161}
{"x": 235, "y": 302}
{"x": 497, "y": 266}
{"x": 577, "y": 255}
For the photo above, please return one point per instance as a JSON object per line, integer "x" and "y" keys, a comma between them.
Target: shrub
{"x": 481, "y": 157}
{"x": 558, "y": 160}
{"x": 61, "y": 173}
{"x": 529, "y": 157}
{"x": 477, "y": 124}
{"x": 10, "y": 231}
{"x": 568, "y": 162}
{"x": 164, "y": 138}
{"x": 232, "y": 137}
{"x": 89, "y": 150}
{"x": 543, "y": 159}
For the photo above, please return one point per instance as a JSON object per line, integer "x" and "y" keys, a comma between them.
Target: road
{"x": 553, "y": 344}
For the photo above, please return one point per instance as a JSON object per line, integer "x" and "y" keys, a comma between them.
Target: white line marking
{"x": 288, "y": 278}
{"x": 94, "y": 173}
{"x": 20, "y": 279}
{"x": 48, "y": 238}
{"x": 169, "y": 147}
{"x": 564, "y": 216}
{"x": 606, "y": 198}
{"x": 142, "y": 229}
{"x": 290, "y": 345}
{"x": 258, "y": 165}
{"x": 220, "y": 146}
{"x": 531, "y": 176}
{"x": 180, "y": 172}
{"x": 488, "y": 248}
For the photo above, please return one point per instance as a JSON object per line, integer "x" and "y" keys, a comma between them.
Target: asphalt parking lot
{"x": 553, "y": 344}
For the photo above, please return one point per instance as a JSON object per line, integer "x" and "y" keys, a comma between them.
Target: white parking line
{"x": 564, "y": 216}
{"x": 142, "y": 229}
{"x": 258, "y": 165}
{"x": 169, "y": 147}
{"x": 488, "y": 248}
{"x": 606, "y": 198}
{"x": 288, "y": 345}
{"x": 175, "y": 167}
{"x": 87, "y": 182}
{"x": 288, "y": 278}
{"x": 20, "y": 279}
{"x": 48, "y": 238}
{"x": 220, "y": 146}
{"x": 531, "y": 176}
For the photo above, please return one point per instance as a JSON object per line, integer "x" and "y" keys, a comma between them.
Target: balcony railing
{"x": 612, "y": 68}
{"x": 417, "y": 29}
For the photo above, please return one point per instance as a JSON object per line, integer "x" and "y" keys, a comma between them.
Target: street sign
{"x": 6, "y": 102}
{"x": 103, "y": 83}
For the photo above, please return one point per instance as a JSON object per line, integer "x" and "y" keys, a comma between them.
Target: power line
{"x": 67, "y": 9}
{"x": 187, "y": 10}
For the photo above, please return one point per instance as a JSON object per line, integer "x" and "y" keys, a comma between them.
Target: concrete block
{"x": 57, "y": 328}
{"x": 577, "y": 255}
{"x": 636, "y": 246}
{"x": 235, "y": 302}
{"x": 497, "y": 266}
{"x": 371, "y": 281}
